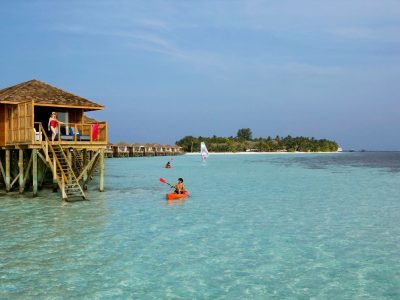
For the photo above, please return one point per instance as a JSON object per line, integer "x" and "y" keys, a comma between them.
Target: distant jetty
{"x": 123, "y": 149}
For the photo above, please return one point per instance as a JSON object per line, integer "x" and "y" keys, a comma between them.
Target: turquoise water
{"x": 300, "y": 226}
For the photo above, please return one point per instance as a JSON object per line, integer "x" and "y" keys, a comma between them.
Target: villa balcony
{"x": 67, "y": 134}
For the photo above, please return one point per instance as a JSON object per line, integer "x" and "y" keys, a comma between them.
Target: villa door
{"x": 64, "y": 117}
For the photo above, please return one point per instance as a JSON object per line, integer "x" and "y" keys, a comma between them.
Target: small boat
{"x": 175, "y": 196}
{"x": 168, "y": 167}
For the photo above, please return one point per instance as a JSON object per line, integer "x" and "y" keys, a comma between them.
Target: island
{"x": 244, "y": 142}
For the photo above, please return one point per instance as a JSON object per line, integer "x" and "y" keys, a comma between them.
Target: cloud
{"x": 177, "y": 31}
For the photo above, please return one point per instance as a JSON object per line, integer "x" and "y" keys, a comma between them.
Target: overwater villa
{"x": 121, "y": 149}
{"x": 26, "y": 151}
{"x": 136, "y": 149}
{"x": 109, "y": 152}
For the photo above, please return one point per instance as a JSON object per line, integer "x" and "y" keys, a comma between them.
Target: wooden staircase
{"x": 62, "y": 170}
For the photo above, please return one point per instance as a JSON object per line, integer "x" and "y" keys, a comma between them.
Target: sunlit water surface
{"x": 296, "y": 226}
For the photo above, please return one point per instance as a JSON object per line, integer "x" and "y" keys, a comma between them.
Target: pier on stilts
{"x": 30, "y": 160}
{"x": 123, "y": 149}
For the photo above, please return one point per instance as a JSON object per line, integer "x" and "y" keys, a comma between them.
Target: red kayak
{"x": 175, "y": 196}
{"x": 168, "y": 167}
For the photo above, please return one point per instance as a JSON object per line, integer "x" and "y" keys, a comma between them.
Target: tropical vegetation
{"x": 243, "y": 141}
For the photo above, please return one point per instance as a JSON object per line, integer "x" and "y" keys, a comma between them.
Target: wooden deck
{"x": 71, "y": 163}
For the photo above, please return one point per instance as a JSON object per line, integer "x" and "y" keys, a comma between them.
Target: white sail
{"x": 203, "y": 151}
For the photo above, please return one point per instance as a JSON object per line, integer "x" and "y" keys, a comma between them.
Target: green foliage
{"x": 244, "y": 134}
{"x": 244, "y": 141}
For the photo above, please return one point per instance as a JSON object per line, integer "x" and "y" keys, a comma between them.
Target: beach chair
{"x": 79, "y": 137}
{"x": 38, "y": 135}
{"x": 72, "y": 133}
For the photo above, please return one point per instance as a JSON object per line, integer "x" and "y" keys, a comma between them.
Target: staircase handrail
{"x": 48, "y": 145}
{"x": 71, "y": 170}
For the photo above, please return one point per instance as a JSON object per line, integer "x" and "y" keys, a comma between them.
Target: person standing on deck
{"x": 52, "y": 125}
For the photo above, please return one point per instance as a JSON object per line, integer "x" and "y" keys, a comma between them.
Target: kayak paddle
{"x": 164, "y": 181}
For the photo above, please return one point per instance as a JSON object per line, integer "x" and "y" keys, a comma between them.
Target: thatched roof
{"x": 44, "y": 94}
{"x": 89, "y": 120}
{"x": 121, "y": 144}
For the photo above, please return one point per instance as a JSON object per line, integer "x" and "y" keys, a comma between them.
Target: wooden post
{"x": 3, "y": 174}
{"x": 8, "y": 167}
{"x": 85, "y": 174}
{"x": 63, "y": 193}
{"x": 27, "y": 169}
{"x": 69, "y": 158}
{"x": 101, "y": 170}
{"x": 55, "y": 183}
{"x": 34, "y": 172}
{"x": 21, "y": 171}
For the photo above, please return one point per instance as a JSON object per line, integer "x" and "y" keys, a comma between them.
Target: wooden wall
{"x": 2, "y": 125}
{"x": 75, "y": 115}
{"x": 20, "y": 123}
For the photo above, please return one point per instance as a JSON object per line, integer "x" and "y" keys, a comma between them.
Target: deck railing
{"x": 67, "y": 133}
{"x": 80, "y": 132}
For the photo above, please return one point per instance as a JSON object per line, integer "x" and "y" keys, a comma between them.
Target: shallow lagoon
{"x": 322, "y": 226}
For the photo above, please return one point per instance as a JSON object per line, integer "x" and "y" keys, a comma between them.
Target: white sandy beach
{"x": 257, "y": 153}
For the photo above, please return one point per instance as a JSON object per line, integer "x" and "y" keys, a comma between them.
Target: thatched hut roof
{"x": 89, "y": 120}
{"x": 44, "y": 94}
{"x": 121, "y": 144}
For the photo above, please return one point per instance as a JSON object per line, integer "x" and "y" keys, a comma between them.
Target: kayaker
{"x": 179, "y": 187}
{"x": 168, "y": 165}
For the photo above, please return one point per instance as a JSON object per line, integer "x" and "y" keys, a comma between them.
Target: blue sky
{"x": 166, "y": 69}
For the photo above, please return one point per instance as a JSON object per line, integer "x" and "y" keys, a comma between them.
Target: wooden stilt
{"x": 21, "y": 171}
{"x": 34, "y": 172}
{"x": 27, "y": 169}
{"x": 14, "y": 181}
{"x": 69, "y": 159}
{"x": 63, "y": 193}
{"x": 101, "y": 170}
{"x": 44, "y": 167}
{"x": 43, "y": 159}
{"x": 89, "y": 167}
{"x": 85, "y": 162}
{"x": 55, "y": 183}
{"x": 3, "y": 174}
{"x": 8, "y": 167}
